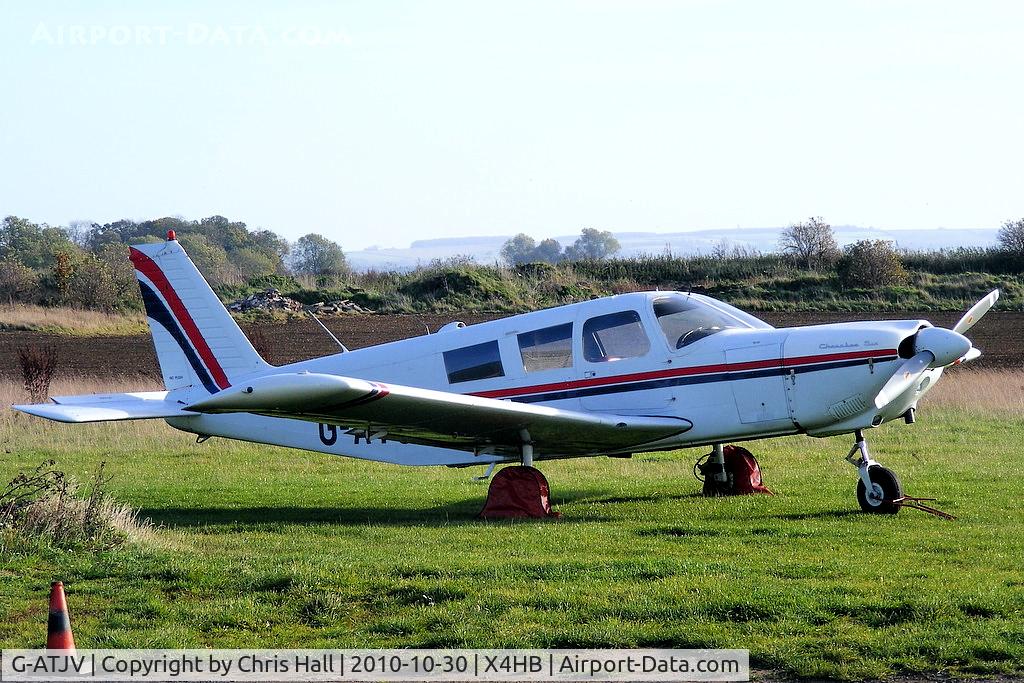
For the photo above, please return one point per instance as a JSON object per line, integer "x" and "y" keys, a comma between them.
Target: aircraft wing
{"x": 438, "y": 418}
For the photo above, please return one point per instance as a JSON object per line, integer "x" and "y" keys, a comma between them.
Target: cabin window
{"x": 546, "y": 349}
{"x": 614, "y": 336}
{"x": 480, "y": 361}
{"x": 685, "y": 320}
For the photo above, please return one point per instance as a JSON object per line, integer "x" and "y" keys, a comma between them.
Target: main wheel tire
{"x": 884, "y": 482}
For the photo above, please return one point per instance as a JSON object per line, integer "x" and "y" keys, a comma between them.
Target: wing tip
{"x": 40, "y": 410}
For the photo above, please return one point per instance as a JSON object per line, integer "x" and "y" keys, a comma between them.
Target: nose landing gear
{"x": 879, "y": 490}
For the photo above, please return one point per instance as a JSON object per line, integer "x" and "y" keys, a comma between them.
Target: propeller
{"x": 971, "y": 318}
{"x": 904, "y": 378}
{"x": 971, "y": 355}
{"x": 936, "y": 347}
{"x": 976, "y": 312}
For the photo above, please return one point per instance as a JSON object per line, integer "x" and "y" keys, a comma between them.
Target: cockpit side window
{"x": 684, "y": 320}
{"x": 614, "y": 336}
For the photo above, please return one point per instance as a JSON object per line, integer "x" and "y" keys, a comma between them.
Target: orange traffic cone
{"x": 58, "y": 627}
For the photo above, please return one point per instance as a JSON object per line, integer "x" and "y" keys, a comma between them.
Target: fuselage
{"x": 649, "y": 353}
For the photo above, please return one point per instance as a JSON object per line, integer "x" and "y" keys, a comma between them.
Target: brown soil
{"x": 1000, "y": 336}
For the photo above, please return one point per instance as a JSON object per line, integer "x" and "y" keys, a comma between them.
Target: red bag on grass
{"x": 518, "y": 492}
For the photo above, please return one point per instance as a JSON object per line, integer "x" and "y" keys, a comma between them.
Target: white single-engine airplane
{"x": 635, "y": 372}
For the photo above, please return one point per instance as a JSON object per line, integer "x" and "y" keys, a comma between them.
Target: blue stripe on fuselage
{"x": 690, "y": 379}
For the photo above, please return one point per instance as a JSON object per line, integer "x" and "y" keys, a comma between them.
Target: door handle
{"x": 590, "y": 373}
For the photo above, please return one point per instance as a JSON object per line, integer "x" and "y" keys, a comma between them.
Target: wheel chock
{"x": 918, "y": 504}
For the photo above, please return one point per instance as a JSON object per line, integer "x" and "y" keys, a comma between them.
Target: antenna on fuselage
{"x": 330, "y": 334}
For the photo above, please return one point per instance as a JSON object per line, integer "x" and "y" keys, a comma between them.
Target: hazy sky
{"x": 383, "y": 122}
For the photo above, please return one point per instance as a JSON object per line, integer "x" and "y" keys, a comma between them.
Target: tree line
{"x": 811, "y": 246}
{"x": 86, "y": 265}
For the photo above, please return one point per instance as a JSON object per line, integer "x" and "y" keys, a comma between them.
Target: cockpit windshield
{"x": 685, "y": 319}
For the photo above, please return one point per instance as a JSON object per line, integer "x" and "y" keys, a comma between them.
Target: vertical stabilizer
{"x": 198, "y": 344}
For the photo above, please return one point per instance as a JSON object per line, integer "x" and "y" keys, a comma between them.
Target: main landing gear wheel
{"x": 885, "y": 490}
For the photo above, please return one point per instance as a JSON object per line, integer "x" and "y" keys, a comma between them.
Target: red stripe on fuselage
{"x": 683, "y": 372}
{"x": 151, "y": 270}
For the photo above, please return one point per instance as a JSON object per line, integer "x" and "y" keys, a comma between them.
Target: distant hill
{"x": 486, "y": 249}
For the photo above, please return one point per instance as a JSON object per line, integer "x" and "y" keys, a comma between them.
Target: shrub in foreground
{"x": 46, "y": 507}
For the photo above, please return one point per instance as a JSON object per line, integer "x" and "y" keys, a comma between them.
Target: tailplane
{"x": 142, "y": 405}
{"x": 199, "y": 346}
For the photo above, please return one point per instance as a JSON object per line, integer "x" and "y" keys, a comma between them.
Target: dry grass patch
{"x": 73, "y": 321}
{"x": 972, "y": 390}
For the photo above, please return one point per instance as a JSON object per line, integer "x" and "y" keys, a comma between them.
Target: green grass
{"x": 264, "y": 547}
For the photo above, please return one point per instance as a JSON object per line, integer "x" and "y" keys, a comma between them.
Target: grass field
{"x": 261, "y": 546}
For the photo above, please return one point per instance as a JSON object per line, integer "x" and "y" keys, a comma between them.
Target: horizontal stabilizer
{"x": 141, "y": 405}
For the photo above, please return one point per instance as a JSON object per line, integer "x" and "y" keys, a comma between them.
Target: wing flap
{"x": 438, "y": 418}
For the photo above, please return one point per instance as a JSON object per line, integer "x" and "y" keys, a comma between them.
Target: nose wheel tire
{"x": 885, "y": 489}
